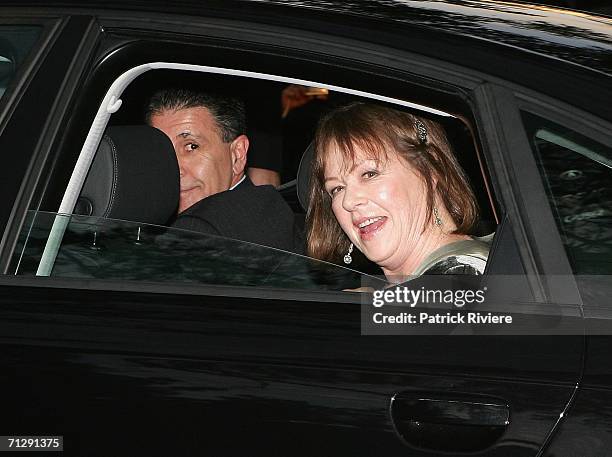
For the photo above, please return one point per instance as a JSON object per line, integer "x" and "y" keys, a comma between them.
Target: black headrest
{"x": 134, "y": 177}
{"x": 303, "y": 176}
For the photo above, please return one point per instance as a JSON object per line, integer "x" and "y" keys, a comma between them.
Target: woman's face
{"x": 382, "y": 207}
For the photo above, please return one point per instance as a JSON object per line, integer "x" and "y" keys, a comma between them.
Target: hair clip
{"x": 421, "y": 130}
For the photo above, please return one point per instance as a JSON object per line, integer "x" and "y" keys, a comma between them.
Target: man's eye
{"x": 192, "y": 146}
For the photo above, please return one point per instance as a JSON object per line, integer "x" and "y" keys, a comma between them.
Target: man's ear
{"x": 239, "y": 148}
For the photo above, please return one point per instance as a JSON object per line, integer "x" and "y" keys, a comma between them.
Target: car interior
{"x": 142, "y": 193}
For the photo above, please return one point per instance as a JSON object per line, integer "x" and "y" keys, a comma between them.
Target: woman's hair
{"x": 376, "y": 130}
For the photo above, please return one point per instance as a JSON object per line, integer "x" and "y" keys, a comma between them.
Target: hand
{"x": 294, "y": 96}
{"x": 364, "y": 289}
{"x": 263, "y": 176}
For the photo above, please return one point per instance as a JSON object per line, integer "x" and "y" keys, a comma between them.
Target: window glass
{"x": 113, "y": 249}
{"x": 16, "y": 41}
{"x": 577, "y": 175}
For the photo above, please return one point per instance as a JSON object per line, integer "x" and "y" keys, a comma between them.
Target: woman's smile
{"x": 369, "y": 227}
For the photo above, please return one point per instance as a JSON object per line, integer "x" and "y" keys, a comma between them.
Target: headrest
{"x": 134, "y": 177}
{"x": 303, "y": 176}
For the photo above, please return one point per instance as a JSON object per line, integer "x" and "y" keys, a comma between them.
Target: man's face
{"x": 207, "y": 165}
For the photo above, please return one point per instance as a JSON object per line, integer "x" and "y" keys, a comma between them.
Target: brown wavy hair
{"x": 377, "y": 130}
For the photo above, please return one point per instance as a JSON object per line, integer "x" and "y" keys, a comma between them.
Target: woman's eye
{"x": 370, "y": 174}
{"x": 335, "y": 190}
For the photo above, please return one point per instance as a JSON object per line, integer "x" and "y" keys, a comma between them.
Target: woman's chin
{"x": 380, "y": 255}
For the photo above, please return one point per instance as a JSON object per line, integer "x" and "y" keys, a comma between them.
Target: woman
{"x": 387, "y": 183}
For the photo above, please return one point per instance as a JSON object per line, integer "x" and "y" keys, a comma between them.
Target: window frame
{"x": 44, "y": 100}
{"x": 440, "y": 76}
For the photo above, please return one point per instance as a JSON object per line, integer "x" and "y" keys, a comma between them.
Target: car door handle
{"x": 449, "y": 422}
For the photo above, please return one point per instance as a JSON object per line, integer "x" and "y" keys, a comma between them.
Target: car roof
{"x": 575, "y": 37}
{"x": 561, "y": 53}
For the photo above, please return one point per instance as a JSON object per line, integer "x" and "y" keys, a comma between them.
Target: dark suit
{"x": 257, "y": 214}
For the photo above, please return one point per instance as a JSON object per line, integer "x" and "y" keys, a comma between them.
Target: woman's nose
{"x": 352, "y": 198}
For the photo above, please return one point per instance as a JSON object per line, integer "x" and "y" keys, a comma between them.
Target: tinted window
{"x": 577, "y": 175}
{"x": 16, "y": 41}
{"x": 111, "y": 249}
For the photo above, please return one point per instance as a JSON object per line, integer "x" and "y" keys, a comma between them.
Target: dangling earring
{"x": 347, "y": 258}
{"x": 438, "y": 221}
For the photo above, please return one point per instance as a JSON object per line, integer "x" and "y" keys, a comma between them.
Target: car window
{"x": 103, "y": 248}
{"x": 113, "y": 249}
{"x": 16, "y": 41}
{"x": 577, "y": 175}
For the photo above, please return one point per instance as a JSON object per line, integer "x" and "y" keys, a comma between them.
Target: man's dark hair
{"x": 228, "y": 112}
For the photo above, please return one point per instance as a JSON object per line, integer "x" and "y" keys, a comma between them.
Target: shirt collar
{"x": 238, "y": 183}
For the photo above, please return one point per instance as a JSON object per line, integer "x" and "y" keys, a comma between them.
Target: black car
{"x": 126, "y": 337}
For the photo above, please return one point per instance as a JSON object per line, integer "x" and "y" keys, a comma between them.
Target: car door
{"x": 573, "y": 152}
{"x": 178, "y": 368}
{"x": 130, "y": 367}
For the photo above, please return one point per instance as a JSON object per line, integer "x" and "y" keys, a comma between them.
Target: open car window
{"x": 101, "y": 248}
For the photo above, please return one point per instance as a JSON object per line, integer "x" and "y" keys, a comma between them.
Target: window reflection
{"x": 98, "y": 248}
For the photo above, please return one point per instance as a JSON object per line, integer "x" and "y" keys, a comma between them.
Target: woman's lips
{"x": 370, "y": 230}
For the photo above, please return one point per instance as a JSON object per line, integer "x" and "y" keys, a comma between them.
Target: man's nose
{"x": 353, "y": 197}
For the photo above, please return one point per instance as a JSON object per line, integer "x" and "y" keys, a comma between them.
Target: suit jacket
{"x": 257, "y": 214}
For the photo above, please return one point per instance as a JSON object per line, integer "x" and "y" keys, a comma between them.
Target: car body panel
{"x": 231, "y": 375}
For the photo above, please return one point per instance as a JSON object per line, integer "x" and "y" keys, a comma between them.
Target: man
{"x": 208, "y": 134}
